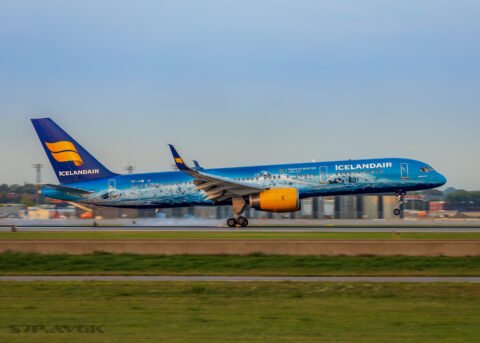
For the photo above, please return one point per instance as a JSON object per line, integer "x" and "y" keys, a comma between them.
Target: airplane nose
{"x": 441, "y": 180}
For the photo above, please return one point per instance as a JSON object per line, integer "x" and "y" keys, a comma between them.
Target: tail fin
{"x": 71, "y": 162}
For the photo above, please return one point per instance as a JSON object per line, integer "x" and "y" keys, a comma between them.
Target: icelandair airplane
{"x": 272, "y": 188}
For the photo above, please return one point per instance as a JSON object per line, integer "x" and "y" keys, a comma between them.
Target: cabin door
{"x": 112, "y": 188}
{"x": 323, "y": 174}
{"x": 404, "y": 170}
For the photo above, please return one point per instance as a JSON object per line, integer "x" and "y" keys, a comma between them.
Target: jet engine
{"x": 276, "y": 200}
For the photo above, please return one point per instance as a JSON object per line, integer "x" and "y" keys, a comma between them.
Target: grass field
{"x": 128, "y": 264}
{"x": 234, "y": 235}
{"x": 240, "y": 312}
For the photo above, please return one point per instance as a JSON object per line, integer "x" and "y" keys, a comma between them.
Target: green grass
{"x": 236, "y": 235}
{"x": 129, "y": 264}
{"x": 242, "y": 312}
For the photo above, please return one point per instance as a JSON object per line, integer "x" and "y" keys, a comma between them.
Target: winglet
{"x": 197, "y": 165}
{"x": 178, "y": 160}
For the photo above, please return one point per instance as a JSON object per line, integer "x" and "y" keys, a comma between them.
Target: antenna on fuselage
{"x": 130, "y": 169}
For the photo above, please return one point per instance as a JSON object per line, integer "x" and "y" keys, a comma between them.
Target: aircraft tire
{"x": 242, "y": 221}
{"x": 397, "y": 212}
{"x": 231, "y": 222}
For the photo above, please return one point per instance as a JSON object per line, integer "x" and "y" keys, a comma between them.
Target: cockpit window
{"x": 426, "y": 169}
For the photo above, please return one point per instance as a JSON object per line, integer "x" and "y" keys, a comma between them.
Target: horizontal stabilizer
{"x": 68, "y": 190}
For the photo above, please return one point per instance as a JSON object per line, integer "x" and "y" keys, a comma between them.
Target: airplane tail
{"x": 71, "y": 162}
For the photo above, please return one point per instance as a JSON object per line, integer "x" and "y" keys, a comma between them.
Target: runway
{"x": 346, "y": 279}
{"x": 66, "y": 228}
{"x": 256, "y": 225}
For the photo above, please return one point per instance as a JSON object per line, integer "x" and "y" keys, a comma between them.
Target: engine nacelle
{"x": 276, "y": 200}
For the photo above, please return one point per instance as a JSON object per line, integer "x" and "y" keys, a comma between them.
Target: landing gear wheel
{"x": 242, "y": 221}
{"x": 231, "y": 222}
{"x": 398, "y": 211}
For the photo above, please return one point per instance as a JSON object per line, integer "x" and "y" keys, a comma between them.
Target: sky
{"x": 235, "y": 83}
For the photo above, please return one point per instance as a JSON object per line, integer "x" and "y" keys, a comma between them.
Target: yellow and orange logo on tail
{"x": 64, "y": 151}
{"x": 179, "y": 160}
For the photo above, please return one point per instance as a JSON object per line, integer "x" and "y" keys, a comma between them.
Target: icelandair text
{"x": 78, "y": 172}
{"x": 361, "y": 166}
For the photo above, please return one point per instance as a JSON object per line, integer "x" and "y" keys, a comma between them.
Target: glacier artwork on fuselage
{"x": 273, "y": 188}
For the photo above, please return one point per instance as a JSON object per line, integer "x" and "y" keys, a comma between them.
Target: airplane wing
{"x": 216, "y": 188}
{"x": 68, "y": 190}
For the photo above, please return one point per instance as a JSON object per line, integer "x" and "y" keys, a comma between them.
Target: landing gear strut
{"x": 239, "y": 206}
{"x": 400, "y": 201}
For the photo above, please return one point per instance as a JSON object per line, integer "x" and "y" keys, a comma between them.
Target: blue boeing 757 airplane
{"x": 273, "y": 188}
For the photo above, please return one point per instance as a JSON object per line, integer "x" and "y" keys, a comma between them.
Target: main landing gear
{"x": 399, "y": 205}
{"x": 240, "y": 221}
{"x": 239, "y": 206}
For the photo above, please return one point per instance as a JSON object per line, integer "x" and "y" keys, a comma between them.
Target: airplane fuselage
{"x": 176, "y": 189}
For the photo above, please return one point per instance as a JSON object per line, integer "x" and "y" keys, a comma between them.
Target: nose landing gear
{"x": 239, "y": 206}
{"x": 399, "y": 205}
